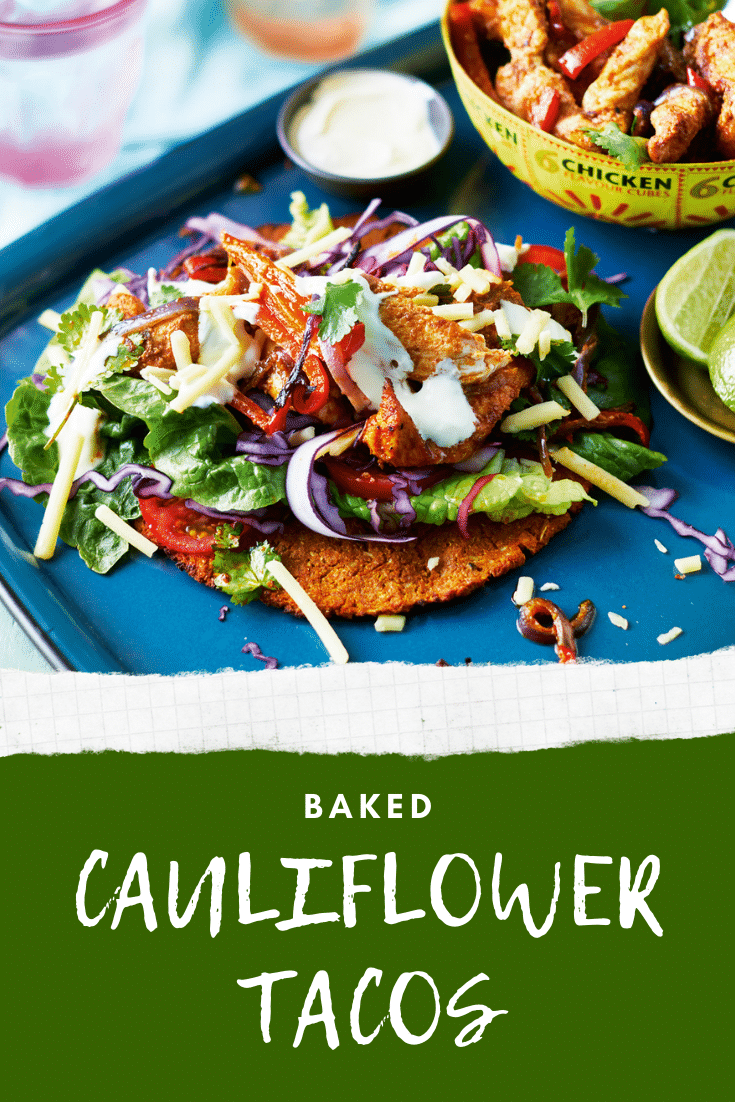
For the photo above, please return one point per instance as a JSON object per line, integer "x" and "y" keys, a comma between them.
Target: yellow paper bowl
{"x": 667, "y": 196}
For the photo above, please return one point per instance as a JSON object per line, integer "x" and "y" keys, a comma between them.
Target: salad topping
{"x": 333, "y": 387}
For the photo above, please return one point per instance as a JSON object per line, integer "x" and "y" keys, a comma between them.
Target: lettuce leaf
{"x": 307, "y": 225}
{"x": 26, "y": 416}
{"x": 619, "y": 361}
{"x": 195, "y": 449}
{"x": 98, "y": 546}
{"x": 519, "y": 488}
{"x": 622, "y": 458}
{"x": 683, "y": 14}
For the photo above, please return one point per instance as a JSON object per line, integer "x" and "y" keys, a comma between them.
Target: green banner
{"x": 607, "y": 977}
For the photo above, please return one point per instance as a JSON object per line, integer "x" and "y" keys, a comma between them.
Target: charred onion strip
{"x": 180, "y": 308}
{"x": 606, "y": 419}
{"x": 542, "y": 621}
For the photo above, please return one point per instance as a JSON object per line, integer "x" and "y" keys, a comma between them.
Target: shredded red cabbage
{"x": 146, "y": 482}
{"x": 22, "y": 489}
{"x": 478, "y": 459}
{"x": 4, "y": 441}
{"x": 256, "y": 519}
{"x": 135, "y": 284}
{"x": 253, "y": 648}
{"x": 378, "y": 256}
{"x": 268, "y": 451}
{"x": 720, "y": 551}
{"x": 223, "y": 612}
{"x": 463, "y": 513}
{"x": 178, "y": 260}
{"x": 157, "y": 313}
{"x": 215, "y": 224}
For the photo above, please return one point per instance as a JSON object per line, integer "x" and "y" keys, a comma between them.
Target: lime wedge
{"x": 696, "y": 297}
{"x": 722, "y": 364}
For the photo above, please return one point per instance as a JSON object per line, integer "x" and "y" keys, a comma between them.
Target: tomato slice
{"x": 373, "y": 484}
{"x": 548, "y": 255}
{"x": 177, "y": 528}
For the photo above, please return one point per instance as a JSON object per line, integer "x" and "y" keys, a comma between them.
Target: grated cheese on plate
{"x": 335, "y": 647}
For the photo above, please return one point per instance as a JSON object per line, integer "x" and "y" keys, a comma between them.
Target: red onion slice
{"x": 478, "y": 459}
{"x": 307, "y": 493}
{"x": 342, "y": 377}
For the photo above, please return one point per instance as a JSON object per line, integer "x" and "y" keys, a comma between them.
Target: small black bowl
{"x": 441, "y": 121}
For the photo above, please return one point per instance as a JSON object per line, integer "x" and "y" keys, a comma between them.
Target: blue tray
{"x": 147, "y": 617}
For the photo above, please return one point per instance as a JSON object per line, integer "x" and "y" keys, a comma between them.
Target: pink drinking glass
{"x": 65, "y": 88}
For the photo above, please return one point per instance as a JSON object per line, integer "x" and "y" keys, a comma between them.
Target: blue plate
{"x": 147, "y": 617}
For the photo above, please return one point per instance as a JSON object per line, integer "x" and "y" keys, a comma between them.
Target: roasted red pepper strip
{"x": 545, "y": 112}
{"x": 606, "y": 419}
{"x": 205, "y": 266}
{"x": 311, "y": 403}
{"x": 556, "y": 23}
{"x": 467, "y": 48}
{"x": 575, "y": 60}
{"x": 352, "y": 343}
{"x": 694, "y": 80}
{"x": 281, "y": 316}
{"x": 268, "y": 422}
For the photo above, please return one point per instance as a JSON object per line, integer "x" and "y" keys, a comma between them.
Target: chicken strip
{"x": 619, "y": 85}
{"x": 712, "y": 52}
{"x": 429, "y": 339}
{"x": 392, "y": 437}
{"x": 679, "y": 114}
{"x": 615, "y": 92}
{"x": 521, "y": 83}
{"x": 581, "y": 18}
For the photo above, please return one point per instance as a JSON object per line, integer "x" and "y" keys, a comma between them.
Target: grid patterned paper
{"x": 369, "y": 708}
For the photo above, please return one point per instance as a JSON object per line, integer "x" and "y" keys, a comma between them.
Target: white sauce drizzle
{"x": 439, "y": 409}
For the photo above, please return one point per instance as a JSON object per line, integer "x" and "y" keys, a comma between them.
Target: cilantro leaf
{"x": 242, "y": 574}
{"x": 633, "y": 152}
{"x": 165, "y": 293}
{"x": 74, "y": 323}
{"x": 557, "y": 362}
{"x": 538, "y": 285}
{"x": 54, "y": 379}
{"x": 338, "y": 310}
{"x": 227, "y": 535}
{"x": 124, "y": 358}
{"x": 585, "y": 288}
